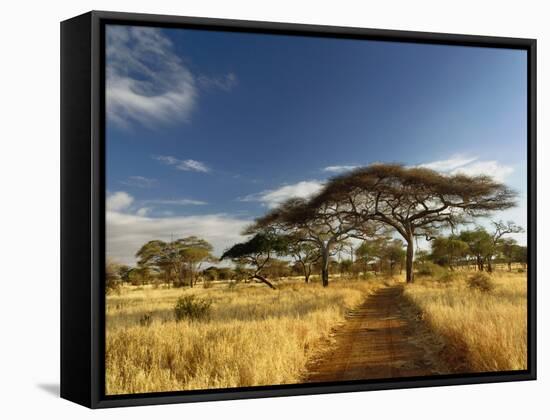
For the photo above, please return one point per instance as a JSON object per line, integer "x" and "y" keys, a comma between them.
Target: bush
{"x": 481, "y": 281}
{"x": 448, "y": 277}
{"x": 192, "y": 308}
{"x": 428, "y": 268}
{"x": 521, "y": 270}
{"x": 146, "y": 319}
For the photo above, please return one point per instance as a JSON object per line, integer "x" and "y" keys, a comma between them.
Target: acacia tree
{"x": 257, "y": 252}
{"x": 448, "y": 250}
{"x": 369, "y": 252}
{"x": 480, "y": 245}
{"x": 510, "y": 250}
{"x": 501, "y": 229}
{"x": 193, "y": 252}
{"x": 414, "y": 201}
{"x": 305, "y": 254}
{"x": 173, "y": 260}
{"x": 324, "y": 226}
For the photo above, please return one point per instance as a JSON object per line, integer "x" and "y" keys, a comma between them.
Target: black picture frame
{"x": 83, "y": 208}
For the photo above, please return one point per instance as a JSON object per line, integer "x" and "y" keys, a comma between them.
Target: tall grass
{"x": 253, "y": 336}
{"x": 482, "y": 330}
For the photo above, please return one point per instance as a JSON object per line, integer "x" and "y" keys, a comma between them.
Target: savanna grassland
{"x": 482, "y": 330}
{"x": 252, "y": 336}
{"x": 256, "y": 336}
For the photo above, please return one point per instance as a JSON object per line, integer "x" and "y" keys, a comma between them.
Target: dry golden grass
{"x": 482, "y": 331}
{"x": 255, "y": 336}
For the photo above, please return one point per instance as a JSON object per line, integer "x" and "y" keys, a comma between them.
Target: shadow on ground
{"x": 52, "y": 389}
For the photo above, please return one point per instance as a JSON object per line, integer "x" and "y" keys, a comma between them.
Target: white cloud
{"x": 471, "y": 165}
{"x": 453, "y": 162}
{"x": 118, "y": 201}
{"x": 183, "y": 165}
{"x": 490, "y": 167}
{"x": 177, "y": 202}
{"x": 139, "y": 181}
{"x": 144, "y": 211}
{"x": 146, "y": 82}
{"x": 126, "y": 233}
{"x": 192, "y": 165}
{"x": 272, "y": 198}
{"x": 339, "y": 168}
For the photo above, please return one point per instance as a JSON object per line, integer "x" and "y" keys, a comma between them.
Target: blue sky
{"x": 207, "y": 130}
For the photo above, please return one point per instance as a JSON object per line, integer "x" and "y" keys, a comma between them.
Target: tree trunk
{"x": 324, "y": 269}
{"x": 509, "y": 265}
{"x": 264, "y": 280}
{"x": 410, "y": 257}
{"x": 306, "y": 272}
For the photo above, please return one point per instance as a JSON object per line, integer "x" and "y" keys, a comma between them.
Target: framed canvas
{"x": 255, "y": 209}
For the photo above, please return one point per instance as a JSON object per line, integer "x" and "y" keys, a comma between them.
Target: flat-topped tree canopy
{"x": 414, "y": 200}
{"x": 326, "y": 226}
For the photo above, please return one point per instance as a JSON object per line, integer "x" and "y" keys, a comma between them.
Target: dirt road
{"x": 380, "y": 339}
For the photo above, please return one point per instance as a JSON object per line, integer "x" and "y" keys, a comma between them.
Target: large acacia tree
{"x": 414, "y": 201}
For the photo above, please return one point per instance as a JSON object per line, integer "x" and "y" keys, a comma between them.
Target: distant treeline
{"x": 178, "y": 263}
{"x": 387, "y": 208}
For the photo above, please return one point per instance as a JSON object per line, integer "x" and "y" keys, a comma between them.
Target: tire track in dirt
{"x": 380, "y": 339}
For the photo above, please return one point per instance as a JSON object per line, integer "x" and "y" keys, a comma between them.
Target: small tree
{"x": 501, "y": 229}
{"x": 305, "y": 254}
{"x": 192, "y": 252}
{"x": 393, "y": 255}
{"x": 480, "y": 245}
{"x": 112, "y": 276}
{"x": 257, "y": 252}
{"x": 370, "y": 252}
{"x": 448, "y": 251}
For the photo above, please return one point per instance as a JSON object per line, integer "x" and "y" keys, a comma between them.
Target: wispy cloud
{"x": 446, "y": 165}
{"x": 225, "y": 83}
{"x": 339, "y": 168}
{"x": 489, "y": 167}
{"x": 139, "y": 181}
{"x": 183, "y": 165}
{"x": 146, "y": 82}
{"x": 471, "y": 165}
{"x": 271, "y": 198}
{"x": 177, "y": 202}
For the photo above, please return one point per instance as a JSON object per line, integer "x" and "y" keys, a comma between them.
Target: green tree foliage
{"x": 112, "y": 277}
{"x": 480, "y": 245}
{"x": 448, "y": 251}
{"x": 177, "y": 261}
{"x": 257, "y": 252}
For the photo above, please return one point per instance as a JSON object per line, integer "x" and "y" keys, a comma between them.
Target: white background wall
{"x": 29, "y": 233}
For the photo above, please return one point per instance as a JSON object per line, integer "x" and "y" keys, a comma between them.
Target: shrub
{"x": 521, "y": 270}
{"x": 448, "y": 277}
{"x": 481, "y": 281}
{"x": 428, "y": 268}
{"x": 146, "y": 319}
{"x": 192, "y": 308}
